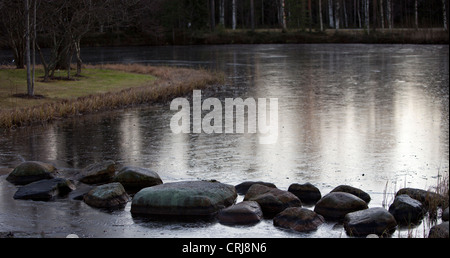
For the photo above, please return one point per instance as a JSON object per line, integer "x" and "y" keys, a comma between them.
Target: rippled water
{"x": 371, "y": 116}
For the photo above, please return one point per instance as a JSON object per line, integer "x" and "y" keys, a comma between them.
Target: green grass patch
{"x": 101, "y": 88}
{"x": 93, "y": 81}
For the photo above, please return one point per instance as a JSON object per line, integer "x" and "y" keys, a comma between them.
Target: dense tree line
{"x": 61, "y": 24}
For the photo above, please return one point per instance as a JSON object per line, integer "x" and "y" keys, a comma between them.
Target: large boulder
{"x": 298, "y": 219}
{"x": 44, "y": 190}
{"x": 243, "y": 213}
{"x": 271, "y": 200}
{"x": 439, "y": 231}
{"x": 427, "y": 198}
{"x": 187, "y": 199}
{"x": 136, "y": 178}
{"x": 307, "y": 193}
{"x": 108, "y": 196}
{"x": 377, "y": 221}
{"x": 353, "y": 190}
{"x": 336, "y": 205}
{"x": 242, "y": 188}
{"x": 98, "y": 173}
{"x": 31, "y": 171}
{"x": 406, "y": 210}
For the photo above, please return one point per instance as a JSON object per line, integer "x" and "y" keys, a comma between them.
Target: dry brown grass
{"x": 171, "y": 82}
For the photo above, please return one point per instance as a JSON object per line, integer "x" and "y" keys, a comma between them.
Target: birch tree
{"x": 330, "y": 13}
{"x": 416, "y": 14}
{"x": 444, "y": 8}
{"x": 337, "y": 15}
{"x": 283, "y": 15}
{"x": 233, "y": 14}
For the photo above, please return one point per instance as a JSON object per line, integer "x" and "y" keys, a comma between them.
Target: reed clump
{"x": 170, "y": 83}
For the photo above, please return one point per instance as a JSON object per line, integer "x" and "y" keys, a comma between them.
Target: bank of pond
{"x": 302, "y": 208}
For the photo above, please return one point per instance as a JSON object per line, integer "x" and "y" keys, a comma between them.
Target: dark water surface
{"x": 371, "y": 116}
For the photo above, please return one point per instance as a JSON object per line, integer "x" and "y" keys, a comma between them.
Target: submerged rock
{"x": 187, "y": 199}
{"x": 31, "y": 171}
{"x": 353, "y": 190}
{"x": 44, "y": 190}
{"x": 97, "y": 173}
{"x": 298, "y": 219}
{"x": 136, "y": 178}
{"x": 369, "y": 221}
{"x": 243, "y": 213}
{"x": 242, "y": 188}
{"x": 108, "y": 196}
{"x": 271, "y": 200}
{"x": 336, "y": 205}
{"x": 307, "y": 193}
{"x": 406, "y": 210}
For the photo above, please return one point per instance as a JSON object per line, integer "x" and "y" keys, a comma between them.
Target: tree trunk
{"x": 367, "y": 17}
{"x": 27, "y": 47}
{"x": 330, "y": 13}
{"x": 222, "y": 12}
{"x": 444, "y": 14}
{"x": 34, "y": 46}
{"x": 212, "y": 15}
{"x": 382, "y": 14}
{"x": 320, "y": 15}
{"x": 389, "y": 13}
{"x": 233, "y": 14}
{"x": 337, "y": 15}
{"x": 283, "y": 15}
{"x": 252, "y": 14}
{"x": 416, "y": 12}
{"x": 78, "y": 56}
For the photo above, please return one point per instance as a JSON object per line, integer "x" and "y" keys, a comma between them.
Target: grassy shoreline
{"x": 89, "y": 94}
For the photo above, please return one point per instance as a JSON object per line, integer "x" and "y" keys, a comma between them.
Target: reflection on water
{"x": 363, "y": 115}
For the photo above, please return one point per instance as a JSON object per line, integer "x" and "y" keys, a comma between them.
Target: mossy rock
{"x": 31, "y": 171}
{"x": 187, "y": 199}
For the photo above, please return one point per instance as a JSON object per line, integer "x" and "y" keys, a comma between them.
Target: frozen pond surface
{"x": 362, "y": 115}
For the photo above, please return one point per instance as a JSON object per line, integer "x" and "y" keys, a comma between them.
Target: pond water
{"x": 370, "y": 116}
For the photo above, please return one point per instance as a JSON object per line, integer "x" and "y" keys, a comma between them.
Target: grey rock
{"x": 136, "y": 178}
{"x": 243, "y": 213}
{"x": 108, "y": 196}
{"x": 44, "y": 190}
{"x": 298, "y": 219}
{"x": 427, "y": 198}
{"x": 98, "y": 173}
{"x": 271, "y": 200}
{"x": 242, "y": 188}
{"x": 307, "y": 193}
{"x": 406, "y": 210}
{"x": 336, "y": 205}
{"x": 370, "y": 221}
{"x": 353, "y": 190}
